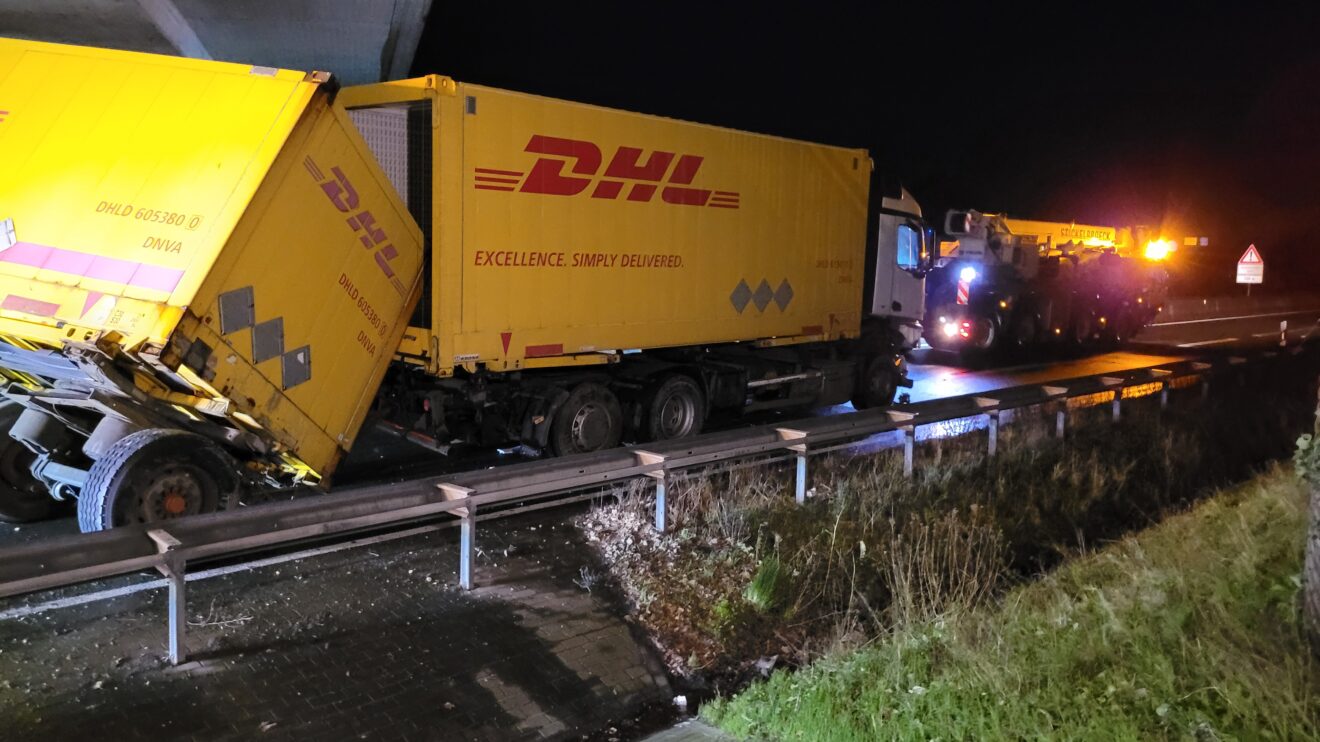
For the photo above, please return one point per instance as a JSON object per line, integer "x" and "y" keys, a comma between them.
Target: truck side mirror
{"x": 930, "y": 249}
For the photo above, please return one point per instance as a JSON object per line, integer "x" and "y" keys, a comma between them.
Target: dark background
{"x": 1200, "y": 118}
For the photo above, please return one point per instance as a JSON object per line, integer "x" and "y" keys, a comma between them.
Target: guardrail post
{"x": 1059, "y": 393}
{"x": 991, "y": 405}
{"x": 661, "y": 477}
{"x": 909, "y": 438}
{"x": 173, "y": 566}
{"x": 1202, "y": 369}
{"x": 909, "y": 449}
{"x": 1115, "y": 383}
{"x": 800, "y": 449}
{"x": 1163, "y": 374}
{"x": 467, "y": 530}
{"x": 1239, "y": 361}
{"x": 467, "y": 547}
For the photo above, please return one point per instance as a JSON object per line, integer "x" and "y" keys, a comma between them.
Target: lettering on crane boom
{"x": 630, "y": 168}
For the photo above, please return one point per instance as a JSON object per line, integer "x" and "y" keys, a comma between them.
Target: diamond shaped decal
{"x": 268, "y": 339}
{"x": 763, "y": 295}
{"x": 784, "y": 294}
{"x": 740, "y": 296}
{"x": 296, "y": 366}
{"x": 237, "y": 310}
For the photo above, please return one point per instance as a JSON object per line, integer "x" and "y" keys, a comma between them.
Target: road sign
{"x": 1251, "y": 267}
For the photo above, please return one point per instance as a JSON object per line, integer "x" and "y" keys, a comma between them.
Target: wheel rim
{"x": 175, "y": 492}
{"x": 591, "y": 427}
{"x": 677, "y": 416}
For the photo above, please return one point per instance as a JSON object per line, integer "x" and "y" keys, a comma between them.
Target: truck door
{"x": 899, "y": 279}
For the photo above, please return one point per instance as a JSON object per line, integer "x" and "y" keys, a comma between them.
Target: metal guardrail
{"x": 171, "y": 547}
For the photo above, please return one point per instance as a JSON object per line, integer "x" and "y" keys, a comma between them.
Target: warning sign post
{"x": 1251, "y": 268}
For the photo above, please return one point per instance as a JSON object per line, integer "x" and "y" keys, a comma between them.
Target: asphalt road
{"x": 1252, "y": 330}
{"x": 380, "y": 457}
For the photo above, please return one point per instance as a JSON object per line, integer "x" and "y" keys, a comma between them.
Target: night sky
{"x": 1205, "y": 120}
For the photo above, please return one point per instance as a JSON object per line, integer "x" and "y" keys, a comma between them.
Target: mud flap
{"x": 901, "y": 368}
{"x": 539, "y": 414}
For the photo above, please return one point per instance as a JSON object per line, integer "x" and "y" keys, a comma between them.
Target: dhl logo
{"x": 625, "y": 170}
{"x": 345, "y": 198}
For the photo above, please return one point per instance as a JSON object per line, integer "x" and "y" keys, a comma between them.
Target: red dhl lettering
{"x": 345, "y": 198}
{"x": 569, "y": 167}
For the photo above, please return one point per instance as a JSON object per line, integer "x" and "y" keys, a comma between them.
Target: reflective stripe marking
{"x": 99, "y": 267}
{"x": 16, "y": 303}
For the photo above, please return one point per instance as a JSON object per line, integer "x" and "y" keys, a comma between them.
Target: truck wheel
{"x": 590, "y": 419}
{"x": 23, "y": 498}
{"x": 676, "y": 409}
{"x": 878, "y": 384}
{"x": 155, "y": 475}
{"x": 1082, "y": 330}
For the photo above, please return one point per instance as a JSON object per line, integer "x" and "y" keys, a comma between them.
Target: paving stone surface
{"x": 370, "y": 643}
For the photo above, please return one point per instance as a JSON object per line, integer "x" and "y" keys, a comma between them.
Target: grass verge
{"x": 1189, "y": 629}
{"x": 746, "y": 580}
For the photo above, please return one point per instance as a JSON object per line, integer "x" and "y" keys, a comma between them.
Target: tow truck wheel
{"x": 878, "y": 384}
{"x": 155, "y": 475}
{"x": 676, "y": 409}
{"x": 23, "y": 498}
{"x": 591, "y": 419}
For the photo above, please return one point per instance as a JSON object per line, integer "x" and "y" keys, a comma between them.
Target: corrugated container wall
{"x": 561, "y": 229}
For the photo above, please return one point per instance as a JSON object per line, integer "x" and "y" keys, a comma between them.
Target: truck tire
{"x": 154, "y": 475}
{"x": 1082, "y": 331}
{"x": 591, "y": 419}
{"x": 676, "y": 409}
{"x": 877, "y": 384}
{"x": 23, "y": 498}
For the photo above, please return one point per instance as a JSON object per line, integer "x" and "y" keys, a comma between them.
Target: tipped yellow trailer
{"x": 203, "y": 277}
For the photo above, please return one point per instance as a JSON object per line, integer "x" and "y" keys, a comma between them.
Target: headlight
{"x": 950, "y": 329}
{"x": 1159, "y": 249}
{"x": 968, "y": 274}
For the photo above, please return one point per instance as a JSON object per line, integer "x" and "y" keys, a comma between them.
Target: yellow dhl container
{"x": 564, "y": 233}
{"x": 207, "y": 246}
